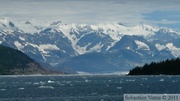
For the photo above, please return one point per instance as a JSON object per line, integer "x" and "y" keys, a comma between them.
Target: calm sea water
{"x": 83, "y": 88}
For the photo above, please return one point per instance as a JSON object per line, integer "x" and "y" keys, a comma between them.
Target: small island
{"x": 166, "y": 67}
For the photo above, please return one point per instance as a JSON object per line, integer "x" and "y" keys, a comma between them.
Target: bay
{"x": 84, "y": 87}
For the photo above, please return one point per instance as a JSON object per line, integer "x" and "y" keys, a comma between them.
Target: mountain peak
{"x": 55, "y": 23}
{"x": 56, "y": 42}
{"x": 4, "y": 19}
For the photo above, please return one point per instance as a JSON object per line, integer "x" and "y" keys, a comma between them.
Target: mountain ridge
{"x": 14, "y": 62}
{"x": 56, "y": 42}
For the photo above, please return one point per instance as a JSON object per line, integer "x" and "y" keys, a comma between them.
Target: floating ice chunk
{"x": 49, "y": 81}
{"x": 36, "y": 83}
{"x": 42, "y": 83}
{"x": 49, "y": 87}
{"x": 131, "y": 80}
{"x": 87, "y": 80}
{"x": 144, "y": 79}
{"x": 20, "y": 88}
{"x": 161, "y": 80}
{"x": 69, "y": 82}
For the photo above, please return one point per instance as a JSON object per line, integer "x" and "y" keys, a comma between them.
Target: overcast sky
{"x": 131, "y": 12}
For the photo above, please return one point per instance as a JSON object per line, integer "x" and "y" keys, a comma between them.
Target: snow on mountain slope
{"x": 18, "y": 45}
{"x": 141, "y": 45}
{"x": 27, "y": 27}
{"x": 7, "y": 25}
{"x": 33, "y": 26}
{"x": 66, "y": 30}
{"x": 46, "y": 47}
{"x": 55, "y": 41}
{"x": 76, "y": 32}
{"x": 116, "y": 31}
{"x": 175, "y": 51}
{"x": 160, "y": 47}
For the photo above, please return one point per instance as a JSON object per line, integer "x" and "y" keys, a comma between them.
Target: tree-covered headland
{"x": 166, "y": 67}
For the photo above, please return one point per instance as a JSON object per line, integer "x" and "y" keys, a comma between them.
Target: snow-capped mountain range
{"x": 77, "y": 46}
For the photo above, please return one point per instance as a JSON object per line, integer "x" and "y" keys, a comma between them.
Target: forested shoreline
{"x": 166, "y": 67}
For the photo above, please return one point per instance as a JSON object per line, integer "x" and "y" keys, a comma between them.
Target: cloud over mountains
{"x": 95, "y": 11}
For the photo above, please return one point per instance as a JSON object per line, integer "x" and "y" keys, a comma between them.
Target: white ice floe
{"x": 20, "y": 88}
{"x": 50, "y": 81}
{"x": 47, "y": 87}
